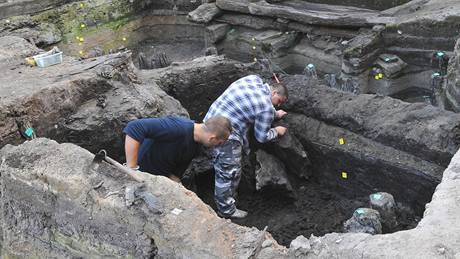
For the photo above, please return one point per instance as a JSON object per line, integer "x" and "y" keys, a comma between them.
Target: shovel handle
{"x": 119, "y": 166}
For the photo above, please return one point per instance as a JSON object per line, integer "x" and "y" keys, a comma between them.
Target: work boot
{"x": 238, "y": 214}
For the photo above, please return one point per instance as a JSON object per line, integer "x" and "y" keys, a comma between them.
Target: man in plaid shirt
{"x": 248, "y": 101}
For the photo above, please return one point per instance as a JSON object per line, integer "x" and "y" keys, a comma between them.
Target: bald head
{"x": 220, "y": 126}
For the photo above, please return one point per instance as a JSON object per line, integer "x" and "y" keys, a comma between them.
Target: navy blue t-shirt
{"x": 167, "y": 144}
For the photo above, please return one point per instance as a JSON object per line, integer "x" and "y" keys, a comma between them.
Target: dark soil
{"x": 317, "y": 210}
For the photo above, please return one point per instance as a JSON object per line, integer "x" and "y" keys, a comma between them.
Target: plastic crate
{"x": 46, "y": 59}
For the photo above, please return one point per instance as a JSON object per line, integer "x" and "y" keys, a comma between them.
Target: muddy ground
{"x": 316, "y": 210}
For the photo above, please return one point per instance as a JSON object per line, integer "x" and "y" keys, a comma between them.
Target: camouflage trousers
{"x": 227, "y": 167}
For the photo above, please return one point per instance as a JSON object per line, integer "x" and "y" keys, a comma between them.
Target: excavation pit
{"x": 174, "y": 39}
{"x": 160, "y": 40}
{"x": 317, "y": 208}
{"x": 343, "y": 177}
{"x": 344, "y": 173}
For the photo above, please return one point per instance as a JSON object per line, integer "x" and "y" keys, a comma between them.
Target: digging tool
{"x": 102, "y": 156}
{"x": 131, "y": 193}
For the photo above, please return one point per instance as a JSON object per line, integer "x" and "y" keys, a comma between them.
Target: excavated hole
{"x": 321, "y": 204}
{"x": 166, "y": 40}
{"x": 318, "y": 207}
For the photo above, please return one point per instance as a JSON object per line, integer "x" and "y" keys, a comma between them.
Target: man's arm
{"x": 263, "y": 130}
{"x": 131, "y": 150}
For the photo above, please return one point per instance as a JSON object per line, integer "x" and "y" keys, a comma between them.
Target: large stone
{"x": 300, "y": 246}
{"x": 216, "y": 32}
{"x": 240, "y": 6}
{"x": 369, "y": 4}
{"x": 42, "y": 34}
{"x": 48, "y": 34}
{"x": 273, "y": 43}
{"x": 358, "y": 57}
{"x": 245, "y": 20}
{"x": 291, "y": 152}
{"x": 327, "y": 58}
{"x": 245, "y": 44}
{"x": 204, "y": 13}
{"x": 391, "y": 65}
{"x": 271, "y": 173}
{"x": 19, "y": 7}
{"x": 320, "y": 14}
{"x": 361, "y": 52}
{"x": 307, "y": 13}
{"x": 385, "y": 204}
{"x": 13, "y": 51}
{"x": 364, "y": 220}
{"x": 57, "y": 203}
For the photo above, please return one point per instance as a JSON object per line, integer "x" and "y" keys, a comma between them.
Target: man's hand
{"x": 135, "y": 169}
{"x": 281, "y": 130}
{"x": 280, "y": 114}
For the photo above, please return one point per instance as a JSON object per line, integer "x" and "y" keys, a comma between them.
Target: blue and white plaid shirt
{"x": 247, "y": 102}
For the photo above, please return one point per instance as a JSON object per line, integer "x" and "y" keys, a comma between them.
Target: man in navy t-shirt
{"x": 166, "y": 145}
